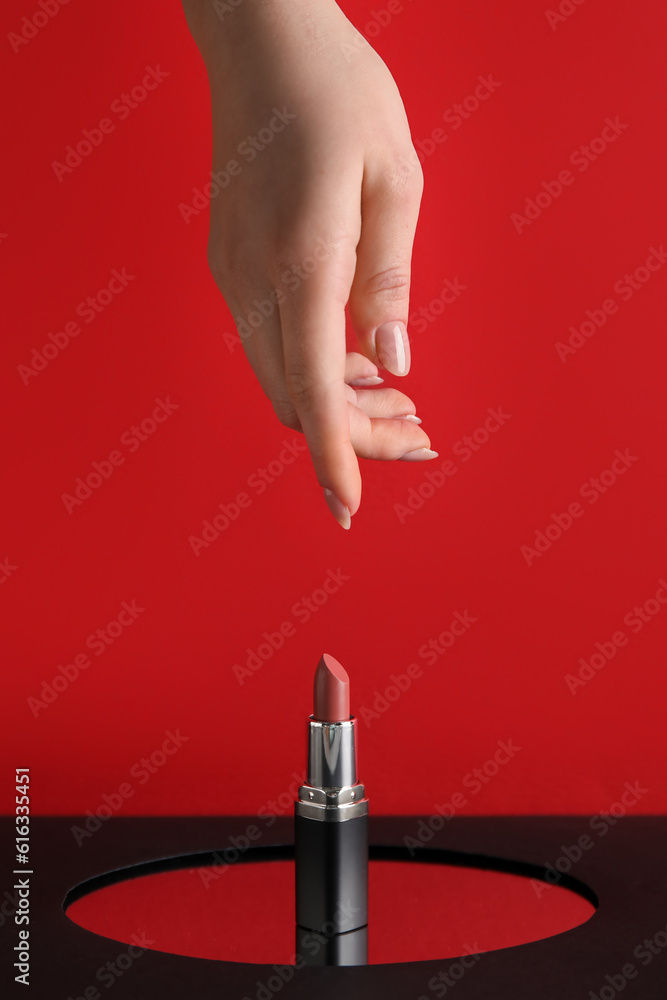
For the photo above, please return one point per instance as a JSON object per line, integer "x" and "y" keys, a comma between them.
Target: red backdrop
{"x": 544, "y": 209}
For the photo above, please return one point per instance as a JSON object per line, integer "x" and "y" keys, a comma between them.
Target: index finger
{"x": 312, "y": 320}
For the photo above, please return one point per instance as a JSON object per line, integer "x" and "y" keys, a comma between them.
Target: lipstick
{"x": 331, "y": 831}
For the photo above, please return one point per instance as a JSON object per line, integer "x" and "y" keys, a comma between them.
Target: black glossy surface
{"x": 626, "y": 871}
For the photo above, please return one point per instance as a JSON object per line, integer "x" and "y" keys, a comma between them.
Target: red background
{"x": 493, "y": 347}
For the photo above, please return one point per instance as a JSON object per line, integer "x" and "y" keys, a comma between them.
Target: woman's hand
{"x": 320, "y": 211}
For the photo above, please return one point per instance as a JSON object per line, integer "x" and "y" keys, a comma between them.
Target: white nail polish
{"x": 419, "y": 455}
{"x": 410, "y": 416}
{"x": 400, "y": 350}
{"x": 338, "y": 509}
{"x": 361, "y": 383}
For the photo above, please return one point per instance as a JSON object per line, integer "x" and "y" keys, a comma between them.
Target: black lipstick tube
{"x": 331, "y": 850}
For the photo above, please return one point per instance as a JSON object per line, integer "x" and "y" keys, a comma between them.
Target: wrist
{"x": 219, "y": 21}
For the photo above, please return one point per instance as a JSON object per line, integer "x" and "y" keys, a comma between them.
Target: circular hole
{"x": 245, "y": 912}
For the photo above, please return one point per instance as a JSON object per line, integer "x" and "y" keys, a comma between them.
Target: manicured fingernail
{"x": 361, "y": 383}
{"x": 393, "y": 347}
{"x": 338, "y": 509}
{"x": 410, "y": 416}
{"x": 420, "y": 455}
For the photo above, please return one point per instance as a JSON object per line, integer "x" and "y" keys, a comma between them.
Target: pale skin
{"x": 322, "y": 216}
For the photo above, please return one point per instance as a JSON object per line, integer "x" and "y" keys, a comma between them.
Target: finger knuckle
{"x": 301, "y": 385}
{"x": 392, "y": 285}
{"x": 405, "y": 177}
{"x": 304, "y": 252}
{"x": 416, "y": 172}
{"x": 229, "y": 268}
{"x": 286, "y": 413}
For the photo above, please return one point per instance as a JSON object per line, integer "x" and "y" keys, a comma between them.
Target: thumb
{"x": 380, "y": 293}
